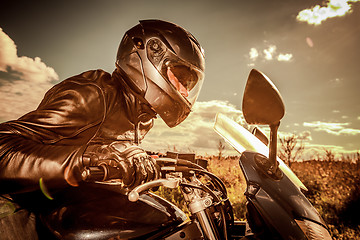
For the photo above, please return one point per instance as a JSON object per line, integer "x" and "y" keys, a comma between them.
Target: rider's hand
{"x": 135, "y": 165}
{"x": 138, "y": 166}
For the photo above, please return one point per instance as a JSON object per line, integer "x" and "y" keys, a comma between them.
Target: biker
{"x": 97, "y": 118}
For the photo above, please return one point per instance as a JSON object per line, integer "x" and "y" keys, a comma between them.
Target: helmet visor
{"x": 185, "y": 78}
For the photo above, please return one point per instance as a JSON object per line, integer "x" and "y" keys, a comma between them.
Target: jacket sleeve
{"x": 39, "y": 147}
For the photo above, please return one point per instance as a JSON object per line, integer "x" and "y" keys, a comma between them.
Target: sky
{"x": 309, "y": 49}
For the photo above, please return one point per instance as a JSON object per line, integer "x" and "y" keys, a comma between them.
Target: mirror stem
{"x": 273, "y": 147}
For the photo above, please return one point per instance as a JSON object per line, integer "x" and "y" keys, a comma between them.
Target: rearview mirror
{"x": 262, "y": 102}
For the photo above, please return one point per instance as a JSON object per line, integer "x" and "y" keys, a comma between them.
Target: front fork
{"x": 199, "y": 204}
{"x": 207, "y": 225}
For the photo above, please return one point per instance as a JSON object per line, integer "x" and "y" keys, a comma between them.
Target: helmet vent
{"x": 138, "y": 43}
{"x": 156, "y": 50}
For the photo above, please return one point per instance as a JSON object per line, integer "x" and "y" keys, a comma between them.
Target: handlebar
{"x": 100, "y": 173}
{"x": 105, "y": 172}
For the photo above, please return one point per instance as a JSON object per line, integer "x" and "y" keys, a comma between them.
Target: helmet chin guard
{"x": 164, "y": 65}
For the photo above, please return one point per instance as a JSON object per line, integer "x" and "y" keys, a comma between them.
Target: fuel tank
{"x": 101, "y": 212}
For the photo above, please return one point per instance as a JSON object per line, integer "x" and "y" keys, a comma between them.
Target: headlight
{"x": 312, "y": 230}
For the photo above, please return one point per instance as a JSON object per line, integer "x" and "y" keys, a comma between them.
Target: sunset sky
{"x": 310, "y": 50}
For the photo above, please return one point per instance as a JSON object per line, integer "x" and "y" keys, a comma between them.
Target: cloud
{"x": 268, "y": 54}
{"x": 23, "y": 80}
{"x": 332, "y": 128}
{"x": 196, "y": 133}
{"x": 332, "y": 8}
{"x": 284, "y": 57}
{"x": 305, "y": 136}
{"x": 253, "y": 54}
{"x": 336, "y": 82}
{"x": 318, "y": 151}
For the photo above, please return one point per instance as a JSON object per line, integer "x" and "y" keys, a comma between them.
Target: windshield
{"x": 241, "y": 139}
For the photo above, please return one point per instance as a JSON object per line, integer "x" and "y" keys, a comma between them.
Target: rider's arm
{"x": 44, "y": 144}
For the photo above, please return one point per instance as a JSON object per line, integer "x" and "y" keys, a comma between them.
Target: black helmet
{"x": 164, "y": 65}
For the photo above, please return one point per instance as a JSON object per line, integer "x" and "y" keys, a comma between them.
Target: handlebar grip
{"x": 90, "y": 174}
{"x": 100, "y": 173}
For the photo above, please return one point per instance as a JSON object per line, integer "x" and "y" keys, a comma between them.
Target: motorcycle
{"x": 276, "y": 206}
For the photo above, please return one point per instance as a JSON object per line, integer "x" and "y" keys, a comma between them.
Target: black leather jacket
{"x": 92, "y": 107}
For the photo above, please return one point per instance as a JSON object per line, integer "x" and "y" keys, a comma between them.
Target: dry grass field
{"x": 333, "y": 190}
